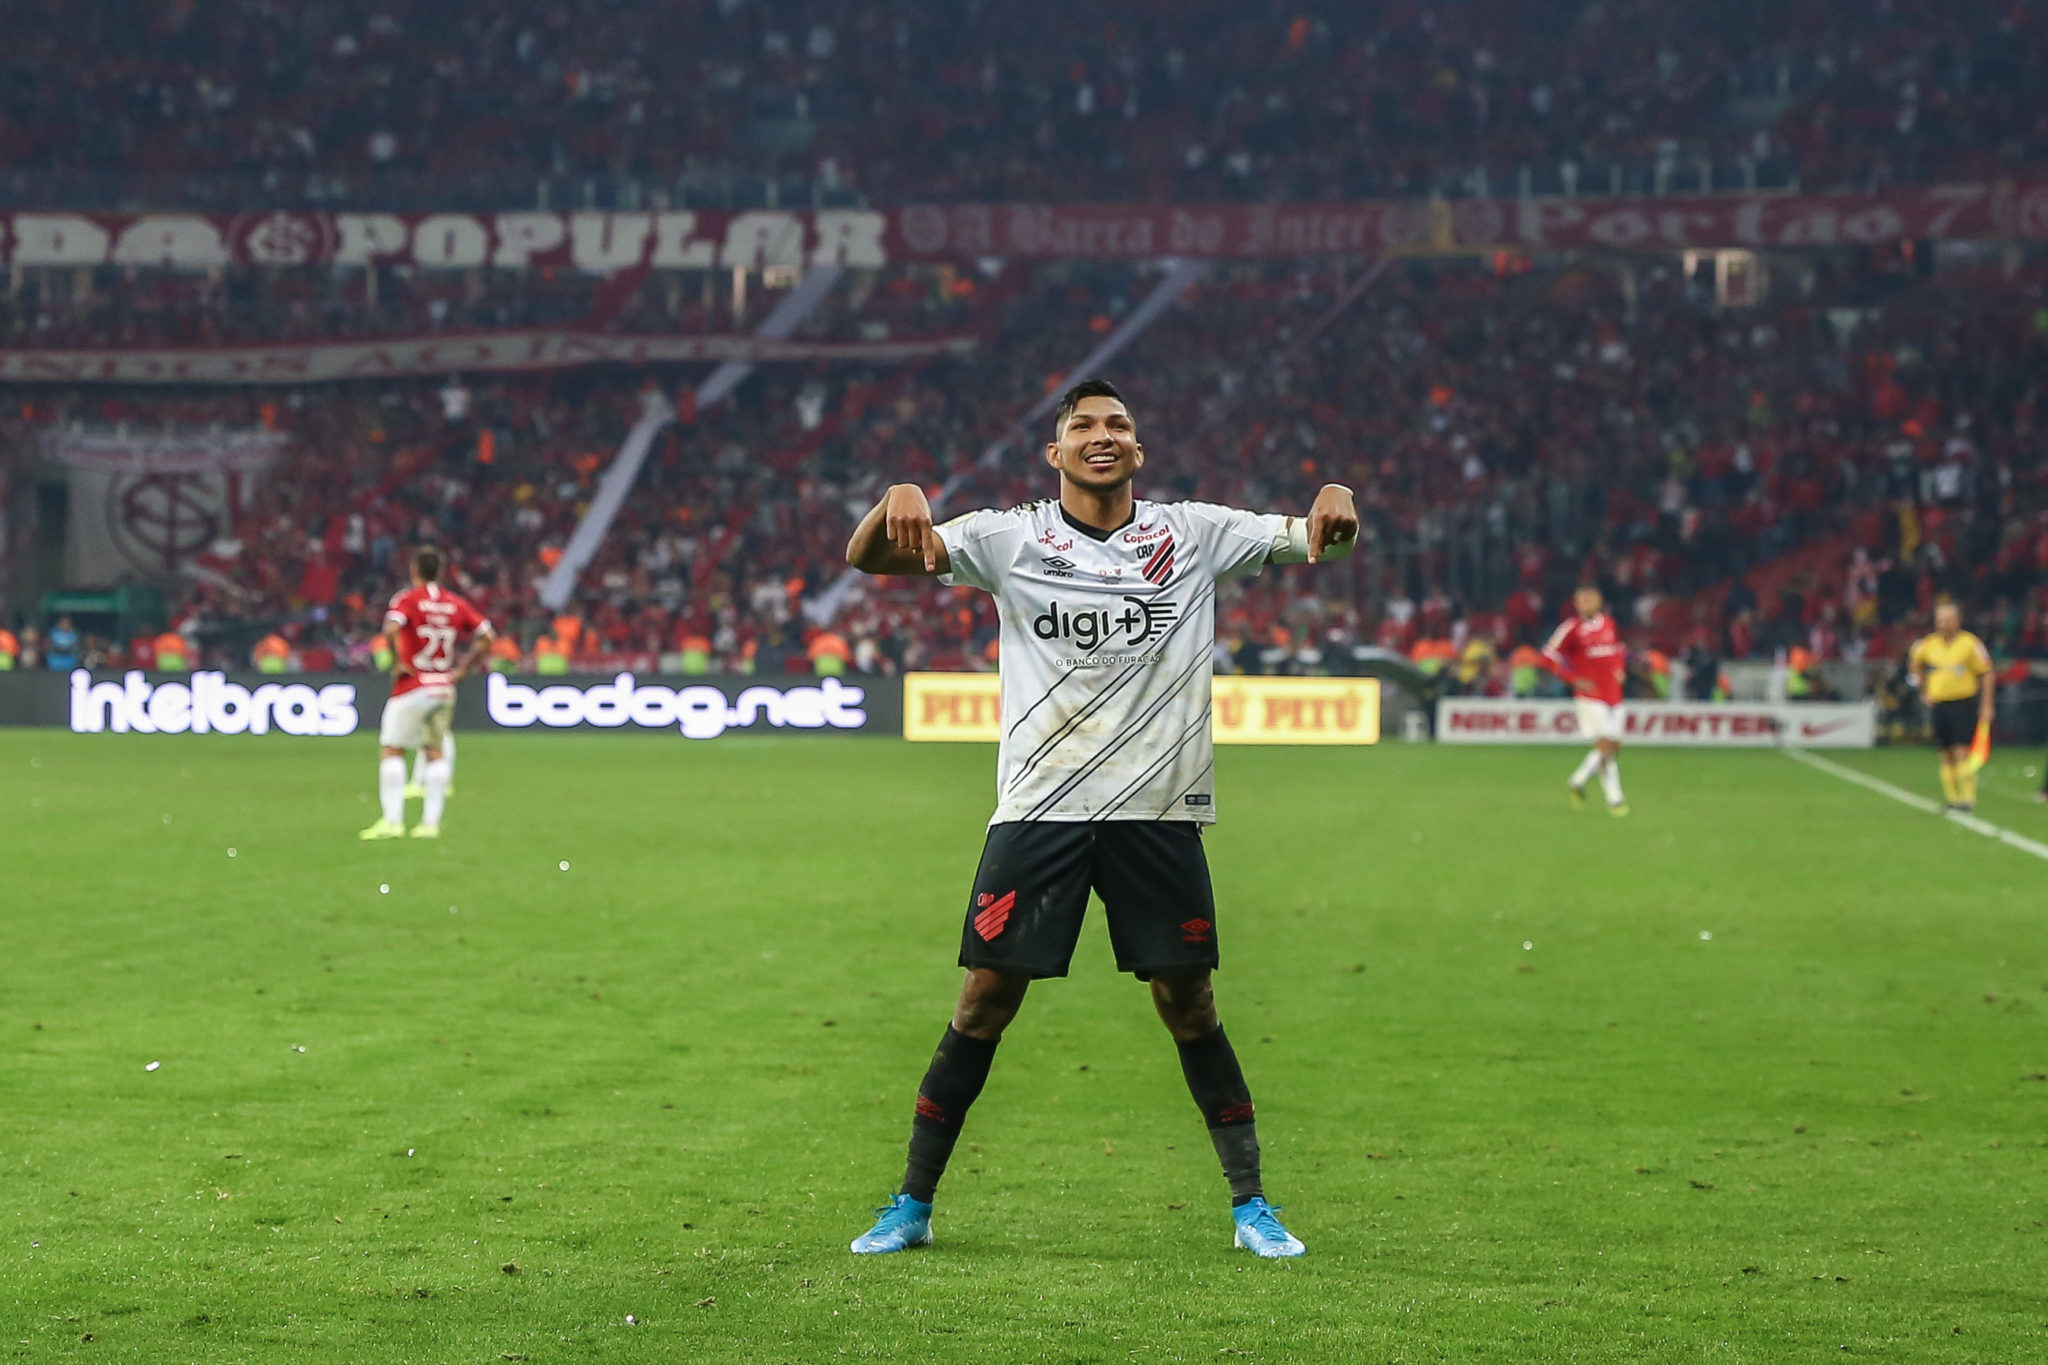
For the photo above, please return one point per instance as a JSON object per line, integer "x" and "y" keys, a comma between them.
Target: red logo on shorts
{"x": 1195, "y": 930}
{"x": 995, "y": 913}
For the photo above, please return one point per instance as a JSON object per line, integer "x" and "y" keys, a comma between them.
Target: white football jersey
{"x": 1107, "y": 640}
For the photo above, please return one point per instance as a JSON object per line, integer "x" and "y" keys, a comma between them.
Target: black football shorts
{"x": 1955, "y": 722}
{"x": 1031, "y": 893}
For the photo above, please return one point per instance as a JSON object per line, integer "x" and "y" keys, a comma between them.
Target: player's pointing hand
{"x": 909, "y": 523}
{"x": 1333, "y": 520}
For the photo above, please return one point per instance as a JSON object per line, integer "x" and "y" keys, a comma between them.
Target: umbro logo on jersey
{"x": 1058, "y": 566}
{"x": 995, "y": 913}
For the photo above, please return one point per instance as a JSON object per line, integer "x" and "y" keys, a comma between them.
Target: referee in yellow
{"x": 1952, "y": 669}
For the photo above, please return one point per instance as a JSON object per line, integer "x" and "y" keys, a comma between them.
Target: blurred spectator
{"x": 417, "y": 104}
{"x": 62, "y": 650}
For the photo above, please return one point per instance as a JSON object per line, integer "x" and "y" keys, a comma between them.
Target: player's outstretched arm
{"x": 897, "y": 536}
{"x": 1328, "y": 531}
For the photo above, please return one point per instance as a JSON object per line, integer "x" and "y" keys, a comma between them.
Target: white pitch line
{"x": 1917, "y": 802}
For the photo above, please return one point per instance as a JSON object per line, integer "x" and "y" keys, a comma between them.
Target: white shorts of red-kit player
{"x": 418, "y": 719}
{"x": 1598, "y": 719}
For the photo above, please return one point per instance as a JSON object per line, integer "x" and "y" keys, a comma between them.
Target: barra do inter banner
{"x": 683, "y": 239}
{"x": 516, "y": 350}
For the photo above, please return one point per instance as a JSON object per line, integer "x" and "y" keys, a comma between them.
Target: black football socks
{"x": 959, "y": 1069}
{"x": 1217, "y": 1083}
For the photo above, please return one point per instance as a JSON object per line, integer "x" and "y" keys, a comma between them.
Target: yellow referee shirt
{"x": 1950, "y": 669}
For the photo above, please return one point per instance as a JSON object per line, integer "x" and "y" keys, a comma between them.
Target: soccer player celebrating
{"x": 1952, "y": 669}
{"x": 1104, "y": 775}
{"x": 1587, "y": 652}
{"x": 423, "y": 627}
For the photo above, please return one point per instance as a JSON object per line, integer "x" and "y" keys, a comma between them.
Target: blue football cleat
{"x": 906, "y": 1223}
{"x": 1259, "y": 1231}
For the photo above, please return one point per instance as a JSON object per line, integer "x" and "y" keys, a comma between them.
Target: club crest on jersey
{"x": 1158, "y": 561}
{"x": 1142, "y": 620}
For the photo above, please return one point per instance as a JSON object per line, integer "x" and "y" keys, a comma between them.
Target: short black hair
{"x": 426, "y": 563}
{"x": 1087, "y": 388}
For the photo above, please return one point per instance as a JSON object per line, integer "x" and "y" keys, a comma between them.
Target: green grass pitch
{"x": 1517, "y": 1101}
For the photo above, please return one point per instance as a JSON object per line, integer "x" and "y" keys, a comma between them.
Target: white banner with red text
{"x": 1722, "y": 725}
{"x": 604, "y": 242}
{"x": 115, "y": 450}
{"x": 148, "y": 502}
{"x": 300, "y": 363}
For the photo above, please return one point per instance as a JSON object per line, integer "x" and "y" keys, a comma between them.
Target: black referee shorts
{"x": 1031, "y": 893}
{"x": 1955, "y": 723}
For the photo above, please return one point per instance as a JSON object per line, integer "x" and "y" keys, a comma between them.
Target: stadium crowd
{"x": 1801, "y": 477}
{"x": 411, "y": 104}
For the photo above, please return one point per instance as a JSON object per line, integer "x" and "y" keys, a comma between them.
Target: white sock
{"x": 1586, "y": 766}
{"x": 439, "y": 770}
{"x": 1610, "y": 781}
{"x": 391, "y": 789}
{"x": 419, "y": 762}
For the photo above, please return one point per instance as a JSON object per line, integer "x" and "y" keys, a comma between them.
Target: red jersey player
{"x": 1587, "y": 652}
{"x": 424, "y": 626}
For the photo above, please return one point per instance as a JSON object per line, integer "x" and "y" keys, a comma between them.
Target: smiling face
{"x": 1097, "y": 450}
